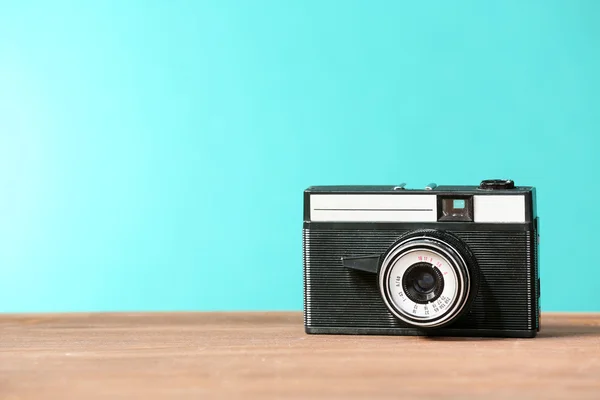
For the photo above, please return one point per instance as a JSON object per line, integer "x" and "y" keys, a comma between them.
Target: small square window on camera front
{"x": 455, "y": 208}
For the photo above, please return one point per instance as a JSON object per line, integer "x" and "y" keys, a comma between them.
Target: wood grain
{"x": 268, "y": 356}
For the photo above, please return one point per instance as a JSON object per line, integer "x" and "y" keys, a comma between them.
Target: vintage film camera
{"x": 443, "y": 260}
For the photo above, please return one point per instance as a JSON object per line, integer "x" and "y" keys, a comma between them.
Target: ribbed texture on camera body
{"x": 339, "y": 298}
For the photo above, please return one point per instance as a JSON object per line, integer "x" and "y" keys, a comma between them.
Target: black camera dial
{"x": 495, "y": 184}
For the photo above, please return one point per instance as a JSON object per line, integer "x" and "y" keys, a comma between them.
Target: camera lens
{"x": 423, "y": 283}
{"x": 428, "y": 278}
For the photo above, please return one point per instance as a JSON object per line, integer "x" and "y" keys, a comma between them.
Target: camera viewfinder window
{"x": 456, "y": 209}
{"x": 458, "y": 204}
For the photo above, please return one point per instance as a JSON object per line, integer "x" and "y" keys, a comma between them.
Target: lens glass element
{"x": 423, "y": 282}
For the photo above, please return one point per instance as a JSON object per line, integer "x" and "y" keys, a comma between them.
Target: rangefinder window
{"x": 455, "y": 208}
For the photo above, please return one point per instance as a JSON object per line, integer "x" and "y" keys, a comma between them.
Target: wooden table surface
{"x": 268, "y": 355}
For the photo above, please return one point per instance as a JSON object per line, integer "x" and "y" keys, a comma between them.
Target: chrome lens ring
{"x": 448, "y": 262}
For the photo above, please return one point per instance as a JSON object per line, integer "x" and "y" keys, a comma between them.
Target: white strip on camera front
{"x": 409, "y": 208}
{"x": 499, "y": 209}
{"x": 373, "y": 208}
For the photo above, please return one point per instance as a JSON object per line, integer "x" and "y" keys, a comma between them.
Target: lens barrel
{"x": 428, "y": 278}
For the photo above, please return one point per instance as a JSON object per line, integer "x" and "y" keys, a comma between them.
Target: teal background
{"x": 153, "y": 153}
